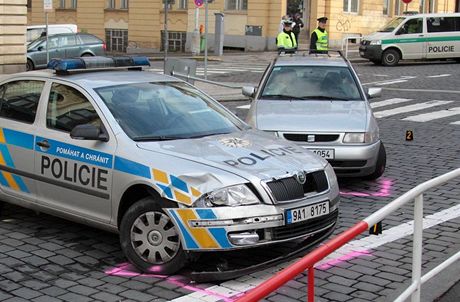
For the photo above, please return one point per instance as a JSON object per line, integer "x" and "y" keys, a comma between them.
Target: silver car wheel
{"x": 154, "y": 238}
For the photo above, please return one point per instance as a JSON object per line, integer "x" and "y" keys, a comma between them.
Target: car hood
{"x": 248, "y": 154}
{"x": 334, "y": 116}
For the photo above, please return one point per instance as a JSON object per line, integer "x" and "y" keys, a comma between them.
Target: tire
{"x": 380, "y": 165}
{"x": 30, "y": 65}
{"x": 149, "y": 238}
{"x": 390, "y": 57}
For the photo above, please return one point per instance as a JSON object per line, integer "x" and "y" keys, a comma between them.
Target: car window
{"x": 65, "y": 41}
{"x": 390, "y": 26}
{"x": 443, "y": 24}
{"x": 88, "y": 39}
{"x": 34, "y": 33}
{"x": 311, "y": 82}
{"x": 412, "y": 26}
{"x": 19, "y": 100}
{"x": 68, "y": 107}
{"x": 166, "y": 110}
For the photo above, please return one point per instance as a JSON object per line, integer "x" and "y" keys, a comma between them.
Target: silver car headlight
{"x": 361, "y": 137}
{"x": 239, "y": 195}
{"x": 376, "y": 42}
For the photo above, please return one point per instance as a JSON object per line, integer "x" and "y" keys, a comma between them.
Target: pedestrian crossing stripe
{"x": 410, "y": 108}
{"x": 425, "y": 117}
{"x": 389, "y": 102}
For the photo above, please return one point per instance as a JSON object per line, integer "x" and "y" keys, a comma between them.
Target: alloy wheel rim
{"x": 154, "y": 238}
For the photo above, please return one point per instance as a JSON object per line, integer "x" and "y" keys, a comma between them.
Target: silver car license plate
{"x": 307, "y": 212}
{"x": 324, "y": 153}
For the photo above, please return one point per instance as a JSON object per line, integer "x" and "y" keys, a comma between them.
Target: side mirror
{"x": 249, "y": 91}
{"x": 374, "y": 93}
{"x": 88, "y": 132}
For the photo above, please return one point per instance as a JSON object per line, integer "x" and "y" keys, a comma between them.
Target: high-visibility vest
{"x": 322, "y": 43}
{"x": 284, "y": 41}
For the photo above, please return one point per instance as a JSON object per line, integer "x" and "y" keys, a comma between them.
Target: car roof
{"x": 97, "y": 79}
{"x": 311, "y": 60}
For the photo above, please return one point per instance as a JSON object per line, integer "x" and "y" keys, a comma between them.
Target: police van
{"x": 419, "y": 36}
{"x": 156, "y": 160}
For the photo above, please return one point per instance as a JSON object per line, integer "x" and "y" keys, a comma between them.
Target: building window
{"x": 176, "y": 40}
{"x": 124, "y": 4}
{"x": 182, "y": 4}
{"x": 386, "y": 5}
{"x": 73, "y": 4}
{"x": 397, "y": 7}
{"x": 117, "y": 40}
{"x": 432, "y": 6}
{"x": 62, "y": 4}
{"x": 236, "y": 4}
{"x": 350, "y": 6}
{"x": 111, "y": 4}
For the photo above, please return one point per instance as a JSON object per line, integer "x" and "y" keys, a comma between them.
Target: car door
{"x": 77, "y": 174}
{"x": 55, "y": 48}
{"x": 443, "y": 37}
{"x": 19, "y": 100}
{"x": 411, "y": 39}
{"x": 69, "y": 45}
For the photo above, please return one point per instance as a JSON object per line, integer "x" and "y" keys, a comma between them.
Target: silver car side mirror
{"x": 374, "y": 92}
{"x": 249, "y": 91}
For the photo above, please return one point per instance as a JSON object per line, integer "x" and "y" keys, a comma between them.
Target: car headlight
{"x": 361, "y": 137}
{"x": 376, "y": 42}
{"x": 239, "y": 195}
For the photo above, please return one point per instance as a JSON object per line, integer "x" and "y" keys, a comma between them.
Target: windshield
{"x": 34, "y": 44}
{"x": 311, "y": 82}
{"x": 166, "y": 110}
{"x": 390, "y": 26}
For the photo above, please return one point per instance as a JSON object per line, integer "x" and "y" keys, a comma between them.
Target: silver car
{"x": 318, "y": 102}
{"x": 156, "y": 160}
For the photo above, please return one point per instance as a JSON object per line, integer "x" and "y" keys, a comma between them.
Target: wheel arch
{"x": 395, "y": 48}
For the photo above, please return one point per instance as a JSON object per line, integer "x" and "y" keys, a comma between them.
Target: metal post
{"x": 311, "y": 284}
{"x": 417, "y": 247}
{"x": 166, "y": 45}
{"x": 206, "y": 40}
{"x": 47, "y": 49}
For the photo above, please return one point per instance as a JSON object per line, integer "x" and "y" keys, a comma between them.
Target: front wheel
{"x": 390, "y": 57}
{"x": 380, "y": 165}
{"x": 149, "y": 238}
{"x": 29, "y": 65}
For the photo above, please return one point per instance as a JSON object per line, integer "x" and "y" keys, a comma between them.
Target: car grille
{"x": 298, "y": 137}
{"x": 304, "y": 227}
{"x": 289, "y": 188}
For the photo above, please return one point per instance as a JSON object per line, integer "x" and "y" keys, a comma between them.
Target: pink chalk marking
{"x": 127, "y": 270}
{"x": 384, "y": 191}
{"x": 349, "y": 256}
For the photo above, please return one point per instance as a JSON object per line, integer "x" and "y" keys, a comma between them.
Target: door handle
{"x": 43, "y": 144}
{"x": 421, "y": 35}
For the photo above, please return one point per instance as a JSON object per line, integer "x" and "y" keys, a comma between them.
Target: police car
{"x": 156, "y": 160}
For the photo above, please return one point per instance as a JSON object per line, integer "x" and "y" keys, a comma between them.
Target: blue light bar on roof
{"x": 94, "y": 63}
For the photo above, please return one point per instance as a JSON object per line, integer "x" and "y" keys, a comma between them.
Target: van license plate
{"x": 307, "y": 212}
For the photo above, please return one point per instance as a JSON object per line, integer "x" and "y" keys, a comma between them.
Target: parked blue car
{"x": 63, "y": 46}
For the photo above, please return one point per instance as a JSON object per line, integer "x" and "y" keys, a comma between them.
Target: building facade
{"x": 137, "y": 25}
{"x": 13, "y": 20}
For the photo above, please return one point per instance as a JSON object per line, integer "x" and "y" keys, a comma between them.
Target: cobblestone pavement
{"x": 43, "y": 258}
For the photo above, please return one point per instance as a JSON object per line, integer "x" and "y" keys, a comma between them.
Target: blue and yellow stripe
{"x": 175, "y": 188}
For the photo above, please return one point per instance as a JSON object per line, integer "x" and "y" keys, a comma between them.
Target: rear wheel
{"x": 390, "y": 57}
{"x": 29, "y": 65}
{"x": 150, "y": 239}
{"x": 380, "y": 165}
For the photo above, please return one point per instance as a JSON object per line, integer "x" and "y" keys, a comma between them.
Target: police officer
{"x": 319, "y": 41}
{"x": 286, "y": 39}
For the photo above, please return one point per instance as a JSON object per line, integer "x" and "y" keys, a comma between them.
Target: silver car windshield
{"x": 167, "y": 111}
{"x": 390, "y": 26}
{"x": 311, "y": 82}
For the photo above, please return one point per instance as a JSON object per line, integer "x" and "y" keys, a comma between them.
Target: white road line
{"x": 439, "y": 75}
{"x": 455, "y": 123}
{"x": 422, "y": 90}
{"x": 425, "y": 117}
{"x": 244, "y": 106}
{"x": 391, "y": 82}
{"x": 389, "y": 102}
{"x": 409, "y": 108}
{"x": 360, "y": 246}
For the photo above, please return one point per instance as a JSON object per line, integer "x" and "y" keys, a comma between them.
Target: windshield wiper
{"x": 321, "y": 97}
{"x": 280, "y": 96}
{"x": 157, "y": 138}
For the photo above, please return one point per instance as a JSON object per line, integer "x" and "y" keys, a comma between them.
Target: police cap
{"x": 322, "y": 19}
{"x": 287, "y": 22}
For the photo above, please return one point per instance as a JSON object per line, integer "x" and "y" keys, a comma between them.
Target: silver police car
{"x": 318, "y": 102}
{"x": 156, "y": 160}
